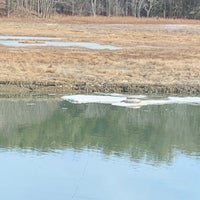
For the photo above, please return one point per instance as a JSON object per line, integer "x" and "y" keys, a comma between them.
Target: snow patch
{"x": 24, "y": 41}
{"x": 131, "y": 101}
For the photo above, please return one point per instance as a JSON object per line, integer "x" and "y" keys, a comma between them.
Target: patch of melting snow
{"x": 130, "y": 101}
{"x": 121, "y": 95}
{"x": 179, "y": 26}
{"x": 24, "y": 41}
{"x": 78, "y": 99}
{"x": 176, "y": 25}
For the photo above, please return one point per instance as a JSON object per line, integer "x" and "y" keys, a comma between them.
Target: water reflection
{"x": 153, "y": 133}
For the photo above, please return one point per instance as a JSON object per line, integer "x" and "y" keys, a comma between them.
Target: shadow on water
{"x": 153, "y": 133}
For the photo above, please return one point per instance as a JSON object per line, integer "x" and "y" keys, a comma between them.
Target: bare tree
{"x": 94, "y": 7}
{"x": 140, "y": 4}
{"x": 148, "y": 5}
{"x": 136, "y": 8}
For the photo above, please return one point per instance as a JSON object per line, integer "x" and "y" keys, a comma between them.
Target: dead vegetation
{"x": 152, "y": 54}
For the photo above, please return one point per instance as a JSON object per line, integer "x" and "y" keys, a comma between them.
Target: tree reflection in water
{"x": 153, "y": 133}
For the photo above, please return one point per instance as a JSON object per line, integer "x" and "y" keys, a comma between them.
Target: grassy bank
{"x": 155, "y": 56}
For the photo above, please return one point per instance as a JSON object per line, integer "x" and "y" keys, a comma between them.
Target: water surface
{"x": 25, "y": 41}
{"x": 52, "y": 149}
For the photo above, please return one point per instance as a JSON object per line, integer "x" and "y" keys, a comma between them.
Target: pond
{"x": 53, "y": 149}
{"x": 25, "y": 41}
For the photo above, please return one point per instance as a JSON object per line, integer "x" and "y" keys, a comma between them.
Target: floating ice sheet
{"x": 130, "y": 101}
{"x": 78, "y": 99}
{"x": 24, "y": 41}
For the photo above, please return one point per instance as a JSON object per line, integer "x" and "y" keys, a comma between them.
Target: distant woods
{"x": 136, "y": 8}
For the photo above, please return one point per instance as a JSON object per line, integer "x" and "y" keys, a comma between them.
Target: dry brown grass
{"x": 152, "y": 52}
{"x": 99, "y": 20}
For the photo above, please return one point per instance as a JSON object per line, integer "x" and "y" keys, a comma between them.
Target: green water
{"x": 51, "y": 149}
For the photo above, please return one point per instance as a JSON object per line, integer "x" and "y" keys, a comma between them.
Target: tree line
{"x": 135, "y": 8}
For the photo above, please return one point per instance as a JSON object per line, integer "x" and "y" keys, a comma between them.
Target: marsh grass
{"x": 151, "y": 52}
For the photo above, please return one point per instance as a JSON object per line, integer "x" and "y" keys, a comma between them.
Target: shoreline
{"x": 85, "y": 88}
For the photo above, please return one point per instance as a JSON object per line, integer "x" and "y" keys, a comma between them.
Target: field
{"x": 154, "y": 56}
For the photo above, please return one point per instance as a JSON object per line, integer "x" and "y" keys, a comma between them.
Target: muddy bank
{"x": 84, "y": 87}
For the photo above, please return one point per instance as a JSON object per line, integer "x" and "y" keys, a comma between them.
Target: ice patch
{"x": 24, "y": 41}
{"x": 176, "y": 26}
{"x": 121, "y": 95}
{"x": 130, "y": 101}
{"x": 78, "y": 99}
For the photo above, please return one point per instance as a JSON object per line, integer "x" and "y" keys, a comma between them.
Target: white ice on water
{"x": 78, "y": 99}
{"x": 136, "y": 101}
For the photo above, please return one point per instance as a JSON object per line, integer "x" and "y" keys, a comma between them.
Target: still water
{"x": 25, "y": 41}
{"x": 52, "y": 149}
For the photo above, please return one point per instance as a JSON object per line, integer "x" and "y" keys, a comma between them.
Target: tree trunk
{"x": 94, "y": 7}
{"x": 8, "y": 8}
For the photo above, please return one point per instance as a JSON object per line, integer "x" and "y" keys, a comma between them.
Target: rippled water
{"x": 52, "y": 149}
